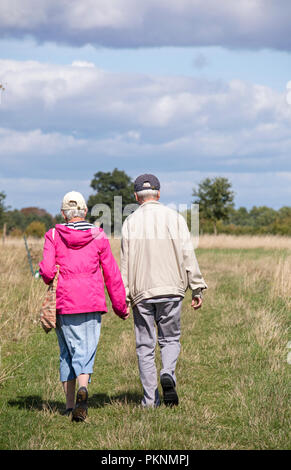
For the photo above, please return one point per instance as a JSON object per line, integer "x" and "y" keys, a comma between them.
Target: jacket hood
{"x": 76, "y": 239}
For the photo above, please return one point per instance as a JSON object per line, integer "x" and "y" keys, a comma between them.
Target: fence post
{"x": 4, "y": 233}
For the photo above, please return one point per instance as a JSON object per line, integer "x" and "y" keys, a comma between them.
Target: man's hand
{"x": 196, "y": 302}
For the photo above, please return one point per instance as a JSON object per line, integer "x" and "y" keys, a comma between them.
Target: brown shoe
{"x": 80, "y": 411}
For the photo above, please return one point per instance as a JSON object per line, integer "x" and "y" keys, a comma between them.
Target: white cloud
{"x": 67, "y": 110}
{"x": 67, "y": 122}
{"x": 133, "y": 23}
{"x": 288, "y": 95}
{"x": 155, "y": 102}
{"x": 79, "y": 63}
{"x": 36, "y": 142}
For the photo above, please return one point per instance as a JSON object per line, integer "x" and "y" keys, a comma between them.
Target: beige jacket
{"x": 157, "y": 255}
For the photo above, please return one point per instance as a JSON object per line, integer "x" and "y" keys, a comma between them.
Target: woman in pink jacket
{"x": 80, "y": 250}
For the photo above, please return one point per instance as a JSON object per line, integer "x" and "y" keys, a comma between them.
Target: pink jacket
{"x": 80, "y": 254}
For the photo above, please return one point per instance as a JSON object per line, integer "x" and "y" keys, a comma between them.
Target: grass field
{"x": 233, "y": 375}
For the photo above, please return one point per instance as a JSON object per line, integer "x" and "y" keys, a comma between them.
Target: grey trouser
{"x": 166, "y": 315}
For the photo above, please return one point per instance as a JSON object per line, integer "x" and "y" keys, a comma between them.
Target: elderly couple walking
{"x": 158, "y": 264}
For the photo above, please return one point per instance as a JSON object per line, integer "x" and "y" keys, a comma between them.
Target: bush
{"x": 35, "y": 229}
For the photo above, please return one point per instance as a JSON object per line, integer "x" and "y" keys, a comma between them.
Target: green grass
{"x": 232, "y": 373}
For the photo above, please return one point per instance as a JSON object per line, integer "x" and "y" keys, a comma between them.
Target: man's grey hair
{"x": 147, "y": 194}
{"x": 71, "y": 213}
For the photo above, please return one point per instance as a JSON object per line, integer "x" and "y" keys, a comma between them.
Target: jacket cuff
{"x": 197, "y": 293}
{"x": 120, "y": 313}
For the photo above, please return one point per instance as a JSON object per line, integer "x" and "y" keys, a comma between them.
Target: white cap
{"x": 73, "y": 200}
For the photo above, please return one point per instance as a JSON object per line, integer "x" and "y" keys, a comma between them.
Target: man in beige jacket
{"x": 158, "y": 264}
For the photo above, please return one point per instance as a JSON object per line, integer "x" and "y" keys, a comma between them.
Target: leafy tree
{"x": 239, "y": 216}
{"x": 20, "y": 219}
{"x": 259, "y": 220}
{"x": 110, "y": 184}
{"x": 284, "y": 213}
{"x": 36, "y": 214}
{"x": 215, "y": 199}
{"x": 15, "y": 219}
{"x": 59, "y": 219}
{"x": 261, "y": 216}
{"x": 2, "y": 206}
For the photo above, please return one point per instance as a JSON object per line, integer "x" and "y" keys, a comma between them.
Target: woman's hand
{"x": 127, "y": 313}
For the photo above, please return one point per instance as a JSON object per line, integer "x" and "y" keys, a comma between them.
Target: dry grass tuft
{"x": 123, "y": 352}
{"x": 282, "y": 280}
{"x": 244, "y": 241}
{"x": 21, "y": 294}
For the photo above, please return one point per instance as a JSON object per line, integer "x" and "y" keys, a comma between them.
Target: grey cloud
{"x": 131, "y": 23}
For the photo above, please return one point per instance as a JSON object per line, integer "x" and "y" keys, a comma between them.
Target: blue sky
{"x": 185, "y": 92}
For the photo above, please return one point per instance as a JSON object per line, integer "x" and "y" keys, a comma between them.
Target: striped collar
{"x": 80, "y": 225}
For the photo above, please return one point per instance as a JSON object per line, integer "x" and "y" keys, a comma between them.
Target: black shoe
{"x": 67, "y": 412}
{"x": 169, "y": 390}
{"x": 80, "y": 411}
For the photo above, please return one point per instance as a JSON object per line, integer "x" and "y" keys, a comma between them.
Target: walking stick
{"x": 28, "y": 255}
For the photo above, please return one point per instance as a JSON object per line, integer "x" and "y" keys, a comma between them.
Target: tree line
{"x": 217, "y": 213}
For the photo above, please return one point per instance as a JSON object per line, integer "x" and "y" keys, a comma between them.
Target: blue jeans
{"x": 78, "y": 336}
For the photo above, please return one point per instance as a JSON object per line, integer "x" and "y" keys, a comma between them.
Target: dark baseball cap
{"x": 146, "y": 181}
